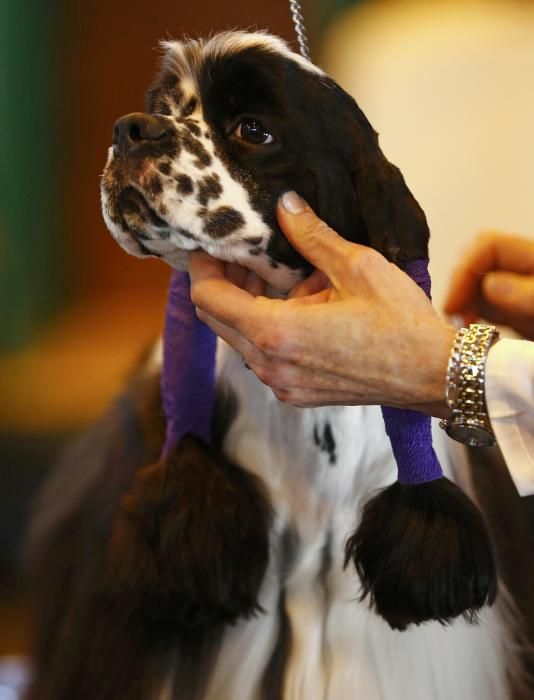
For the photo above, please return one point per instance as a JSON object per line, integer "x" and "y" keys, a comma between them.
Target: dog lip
{"x": 131, "y": 200}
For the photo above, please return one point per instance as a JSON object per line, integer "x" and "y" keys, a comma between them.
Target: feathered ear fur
{"x": 360, "y": 193}
{"x": 423, "y": 553}
{"x": 190, "y": 544}
{"x": 394, "y": 222}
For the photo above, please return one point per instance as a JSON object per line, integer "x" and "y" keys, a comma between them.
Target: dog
{"x": 225, "y": 580}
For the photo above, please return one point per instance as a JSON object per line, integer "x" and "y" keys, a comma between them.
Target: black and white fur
{"x": 132, "y": 608}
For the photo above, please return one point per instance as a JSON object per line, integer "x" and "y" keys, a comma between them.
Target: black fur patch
{"x": 154, "y": 186}
{"x": 209, "y": 187}
{"x": 193, "y": 127}
{"x": 147, "y": 251}
{"x": 423, "y": 553}
{"x": 190, "y": 107}
{"x": 329, "y": 444}
{"x": 196, "y": 148}
{"x": 165, "y": 168}
{"x": 163, "y": 93}
{"x": 333, "y": 159}
{"x": 132, "y": 202}
{"x": 184, "y": 184}
{"x": 192, "y": 568}
{"x": 140, "y": 234}
{"x": 326, "y": 441}
{"x": 223, "y": 221}
{"x": 170, "y": 83}
{"x": 186, "y": 234}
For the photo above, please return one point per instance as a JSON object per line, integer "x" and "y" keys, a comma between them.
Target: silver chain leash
{"x": 298, "y": 23}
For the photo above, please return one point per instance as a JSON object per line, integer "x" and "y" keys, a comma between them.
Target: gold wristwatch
{"x": 469, "y": 422}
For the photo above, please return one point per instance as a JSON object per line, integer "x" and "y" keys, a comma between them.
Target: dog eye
{"x": 252, "y": 130}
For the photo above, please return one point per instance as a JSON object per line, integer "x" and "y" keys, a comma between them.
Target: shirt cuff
{"x": 510, "y": 403}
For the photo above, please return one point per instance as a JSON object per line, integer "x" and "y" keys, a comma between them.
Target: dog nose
{"x": 135, "y": 129}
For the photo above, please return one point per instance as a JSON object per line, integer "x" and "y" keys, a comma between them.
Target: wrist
{"x": 432, "y": 367}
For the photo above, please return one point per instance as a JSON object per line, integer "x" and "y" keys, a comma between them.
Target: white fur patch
{"x": 231, "y": 42}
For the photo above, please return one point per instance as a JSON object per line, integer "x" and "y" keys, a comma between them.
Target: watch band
{"x": 469, "y": 422}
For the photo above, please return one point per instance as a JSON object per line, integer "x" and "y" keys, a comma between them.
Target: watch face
{"x": 470, "y": 434}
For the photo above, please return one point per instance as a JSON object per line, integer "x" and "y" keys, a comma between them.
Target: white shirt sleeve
{"x": 510, "y": 402}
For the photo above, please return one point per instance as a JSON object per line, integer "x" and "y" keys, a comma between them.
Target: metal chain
{"x": 298, "y": 23}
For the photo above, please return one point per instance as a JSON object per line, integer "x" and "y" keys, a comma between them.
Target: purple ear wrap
{"x": 421, "y": 550}
{"x": 410, "y": 432}
{"x": 188, "y": 377}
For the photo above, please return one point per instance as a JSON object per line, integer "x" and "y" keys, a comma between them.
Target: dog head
{"x": 231, "y": 123}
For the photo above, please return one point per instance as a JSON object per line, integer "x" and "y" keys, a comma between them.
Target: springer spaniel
{"x": 229, "y": 584}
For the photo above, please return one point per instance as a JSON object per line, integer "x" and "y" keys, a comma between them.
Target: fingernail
{"x": 292, "y": 203}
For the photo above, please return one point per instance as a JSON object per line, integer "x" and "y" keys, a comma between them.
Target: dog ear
{"x": 190, "y": 545}
{"x": 358, "y": 191}
{"x": 395, "y": 224}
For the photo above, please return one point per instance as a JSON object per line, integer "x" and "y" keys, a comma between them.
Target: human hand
{"x": 495, "y": 281}
{"x": 358, "y": 331}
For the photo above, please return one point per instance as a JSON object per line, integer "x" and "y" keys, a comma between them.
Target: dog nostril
{"x": 135, "y": 133}
{"x": 134, "y": 129}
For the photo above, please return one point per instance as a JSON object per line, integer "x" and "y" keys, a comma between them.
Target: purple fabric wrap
{"x": 410, "y": 432}
{"x": 188, "y": 376}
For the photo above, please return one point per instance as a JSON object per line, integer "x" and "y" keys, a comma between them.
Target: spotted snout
{"x": 170, "y": 186}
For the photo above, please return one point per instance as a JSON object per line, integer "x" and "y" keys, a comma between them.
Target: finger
{"x": 212, "y": 292}
{"x": 255, "y": 285}
{"x": 204, "y": 261}
{"x": 237, "y": 274}
{"x": 270, "y": 371}
{"x": 316, "y": 282}
{"x": 312, "y": 237}
{"x": 511, "y": 293}
{"x": 309, "y": 299}
{"x": 490, "y": 251}
{"x": 522, "y": 324}
{"x": 231, "y": 336}
{"x": 313, "y": 398}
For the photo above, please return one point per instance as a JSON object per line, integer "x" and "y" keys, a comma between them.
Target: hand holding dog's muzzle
{"x": 341, "y": 335}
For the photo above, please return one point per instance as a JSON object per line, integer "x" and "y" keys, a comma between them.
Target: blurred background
{"x": 448, "y": 84}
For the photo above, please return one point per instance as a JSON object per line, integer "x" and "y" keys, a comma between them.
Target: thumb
{"x": 312, "y": 237}
{"x": 510, "y": 292}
